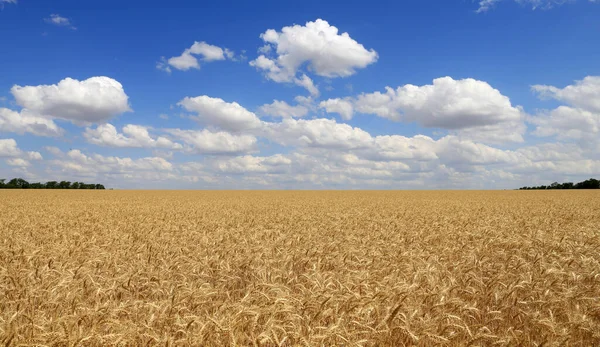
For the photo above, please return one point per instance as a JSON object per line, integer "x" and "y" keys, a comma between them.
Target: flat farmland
{"x": 329, "y": 268}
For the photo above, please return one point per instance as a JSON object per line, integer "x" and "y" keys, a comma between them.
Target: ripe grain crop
{"x": 183, "y": 268}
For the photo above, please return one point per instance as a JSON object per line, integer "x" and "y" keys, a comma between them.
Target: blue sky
{"x": 480, "y": 94}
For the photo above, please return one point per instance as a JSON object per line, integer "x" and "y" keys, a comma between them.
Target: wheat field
{"x": 199, "y": 268}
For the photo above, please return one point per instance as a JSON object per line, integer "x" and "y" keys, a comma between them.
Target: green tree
{"x": 18, "y": 183}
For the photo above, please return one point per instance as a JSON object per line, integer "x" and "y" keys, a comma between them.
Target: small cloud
{"x": 163, "y": 65}
{"x": 2, "y": 2}
{"x": 58, "y": 20}
{"x": 486, "y": 5}
{"x": 163, "y": 116}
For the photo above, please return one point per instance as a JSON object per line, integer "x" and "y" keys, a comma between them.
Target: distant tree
{"x": 587, "y": 184}
{"x": 568, "y": 185}
{"x": 19, "y": 183}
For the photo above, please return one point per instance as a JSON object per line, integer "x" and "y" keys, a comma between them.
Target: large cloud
{"x": 26, "y": 122}
{"x": 94, "y": 100}
{"x": 466, "y": 105}
{"x": 221, "y": 114}
{"x": 135, "y": 136}
{"x": 317, "y": 45}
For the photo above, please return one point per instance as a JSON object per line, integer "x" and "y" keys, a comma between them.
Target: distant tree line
{"x": 587, "y": 184}
{"x": 19, "y": 183}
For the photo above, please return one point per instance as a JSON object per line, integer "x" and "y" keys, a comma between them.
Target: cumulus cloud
{"x": 318, "y": 45}
{"x": 471, "y": 106}
{"x": 580, "y": 120}
{"x": 283, "y": 109}
{"x": 94, "y": 100}
{"x": 58, "y": 20}
{"x": 584, "y": 94}
{"x": 189, "y": 58}
{"x": 135, "y": 136}
{"x": 566, "y": 123}
{"x": 343, "y": 107}
{"x": 221, "y": 114}
{"x": 76, "y": 163}
{"x": 14, "y": 155}
{"x": 486, "y": 5}
{"x": 322, "y": 133}
{"x": 9, "y": 148}
{"x": 277, "y": 163}
{"x": 221, "y": 142}
{"x": 27, "y": 122}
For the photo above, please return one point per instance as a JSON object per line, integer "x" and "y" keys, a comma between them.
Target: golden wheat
{"x": 179, "y": 268}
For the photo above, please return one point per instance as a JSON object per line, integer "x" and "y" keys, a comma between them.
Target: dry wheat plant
{"x": 183, "y": 268}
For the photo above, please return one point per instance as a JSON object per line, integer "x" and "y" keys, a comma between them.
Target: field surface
{"x": 183, "y": 268}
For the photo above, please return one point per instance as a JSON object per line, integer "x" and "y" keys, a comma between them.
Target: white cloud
{"x": 27, "y": 122}
{"x": 224, "y": 115}
{"x": 18, "y": 162}
{"x": 8, "y": 148}
{"x": 77, "y": 162}
{"x": 343, "y": 107}
{"x": 486, "y": 5}
{"x": 283, "y": 109}
{"x": 317, "y": 45}
{"x": 584, "y": 94}
{"x": 2, "y": 2}
{"x": 470, "y": 107}
{"x": 58, "y": 20}
{"x": 322, "y": 133}
{"x": 307, "y": 84}
{"x": 94, "y": 100}
{"x": 188, "y": 59}
{"x": 250, "y": 164}
{"x": 580, "y": 120}
{"x": 14, "y": 155}
{"x": 55, "y": 151}
{"x": 567, "y": 122}
{"x": 207, "y": 142}
{"x": 135, "y": 136}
